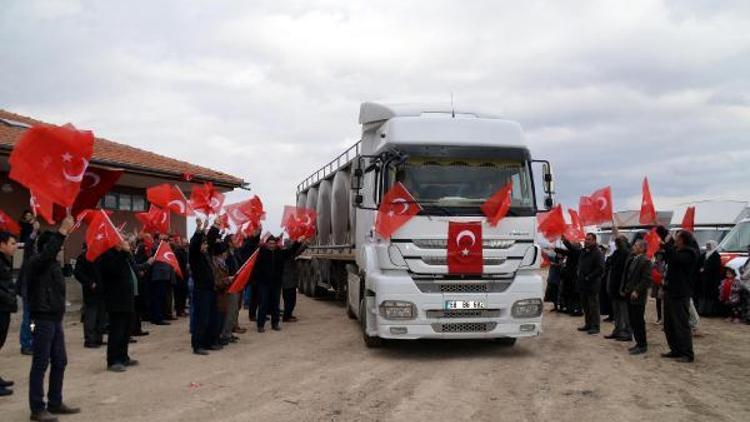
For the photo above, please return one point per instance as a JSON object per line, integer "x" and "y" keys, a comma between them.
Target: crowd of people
{"x": 126, "y": 286}
{"x": 616, "y": 280}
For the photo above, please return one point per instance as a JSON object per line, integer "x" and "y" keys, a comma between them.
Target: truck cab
{"x": 734, "y": 248}
{"x": 451, "y": 162}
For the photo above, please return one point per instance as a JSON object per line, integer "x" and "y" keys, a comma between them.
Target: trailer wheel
{"x": 371, "y": 342}
{"x": 506, "y": 341}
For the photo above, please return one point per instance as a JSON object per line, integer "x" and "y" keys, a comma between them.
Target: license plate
{"x": 465, "y": 304}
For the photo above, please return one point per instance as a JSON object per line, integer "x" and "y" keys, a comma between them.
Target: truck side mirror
{"x": 549, "y": 187}
{"x": 356, "y": 182}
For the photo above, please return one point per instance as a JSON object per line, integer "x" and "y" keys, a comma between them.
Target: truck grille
{"x": 464, "y": 327}
{"x": 443, "y": 243}
{"x": 464, "y": 288}
{"x": 442, "y": 260}
{"x": 464, "y": 313}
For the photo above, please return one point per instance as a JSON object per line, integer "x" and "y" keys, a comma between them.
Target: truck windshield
{"x": 465, "y": 183}
{"x": 738, "y": 239}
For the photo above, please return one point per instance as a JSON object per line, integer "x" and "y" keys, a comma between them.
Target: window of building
{"x": 123, "y": 202}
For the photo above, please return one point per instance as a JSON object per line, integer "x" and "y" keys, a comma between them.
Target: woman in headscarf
{"x": 710, "y": 280}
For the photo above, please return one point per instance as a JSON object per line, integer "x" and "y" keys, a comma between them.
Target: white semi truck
{"x": 400, "y": 288}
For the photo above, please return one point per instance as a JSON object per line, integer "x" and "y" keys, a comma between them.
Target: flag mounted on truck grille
{"x": 465, "y": 255}
{"x": 396, "y": 209}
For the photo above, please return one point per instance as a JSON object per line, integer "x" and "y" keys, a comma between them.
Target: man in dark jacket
{"x": 268, "y": 271}
{"x": 162, "y": 275}
{"x": 181, "y": 285}
{"x": 570, "y": 297}
{"x": 588, "y": 282}
{"x": 46, "y": 286}
{"x": 120, "y": 286}
{"x": 615, "y": 270}
{"x": 682, "y": 260}
{"x": 8, "y": 302}
{"x": 637, "y": 280}
{"x": 94, "y": 311}
{"x": 204, "y": 297}
{"x": 29, "y": 249}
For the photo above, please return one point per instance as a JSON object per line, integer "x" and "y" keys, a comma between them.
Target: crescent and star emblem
{"x": 466, "y": 233}
{"x": 401, "y": 201}
{"x": 74, "y": 178}
{"x": 96, "y": 179}
{"x": 179, "y": 204}
{"x": 602, "y": 203}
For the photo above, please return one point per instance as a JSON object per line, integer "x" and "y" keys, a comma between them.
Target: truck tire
{"x": 371, "y": 342}
{"x": 506, "y": 341}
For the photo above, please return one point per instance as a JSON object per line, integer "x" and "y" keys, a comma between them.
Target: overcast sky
{"x": 609, "y": 91}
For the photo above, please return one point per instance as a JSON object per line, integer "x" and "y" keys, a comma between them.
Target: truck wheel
{"x": 305, "y": 281}
{"x": 370, "y": 342}
{"x": 506, "y": 341}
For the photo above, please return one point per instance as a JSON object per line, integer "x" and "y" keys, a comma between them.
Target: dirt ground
{"x": 319, "y": 369}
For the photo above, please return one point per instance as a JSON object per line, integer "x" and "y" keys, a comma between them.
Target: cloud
{"x": 270, "y": 91}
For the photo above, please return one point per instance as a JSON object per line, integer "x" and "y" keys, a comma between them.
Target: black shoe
{"x": 132, "y": 340}
{"x": 611, "y": 337}
{"x": 161, "y": 323}
{"x": 623, "y": 339}
{"x": 132, "y": 362}
{"x": 202, "y": 352}
{"x": 593, "y": 331}
{"x": 670, "y": 355}
{"x": 117, "y": 367}
{"x": 92, "y": 345}
{"x": 27, "y": 352}
{"x": 584, "y": 328}
{"x": 5, "y": 391}
{"x": 276, "y": 328}
{"x": 223, "y": 342}
{"x": 638, "y": 350}
{"x": 685, "y": 359}
{"x": 43, "y": 416}
{"x": 261, "y": 330}
{"x": 576, "y": 314}
{"x": 215, "y": 347}
{"x": 5, "y": 383}
{"x": 63, "y": 409}
{"x": 140, "y": 333}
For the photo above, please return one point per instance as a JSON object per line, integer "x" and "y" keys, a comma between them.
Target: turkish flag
{"x": 223, "y": 221}
{"x": 597, "y": 208}
{"x": 249, "y": 228}
{"x": 245, "y": 211}
{"x": 42, "y": 206}
{"x": 396, "y": 209}
{"x": 95, "y": 184}
{"x": 243, "y": 274}
{"x": 299, "y": 222}
{"x": 551, "y": 224}
{"x": 648, "y": 212}
{"x": 169, "y": 197}
{"x": 653, "y": 243}
{"x": 101, "y": 235}
{"x": 8, "y": 224}
{"x": 155, "y": 220}
{"x": 497, "y": 206}
{"x": 574, "y": 230}
{"x": 164, "y": 254}
{"x": 206, "y": 199}
{"x": 688, "y": 220}
{"x": 465, "y": 248}
{"x": 52, "y": 161}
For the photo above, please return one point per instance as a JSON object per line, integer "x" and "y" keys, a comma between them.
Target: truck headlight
{"x": 527, "y": 308}
{"x": 398, "y": 309}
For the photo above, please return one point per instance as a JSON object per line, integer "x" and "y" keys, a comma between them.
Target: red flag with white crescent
{"x": 52, "y": 161}
{"x": 465, "y": 254}
{"x": 206, "y": 199}
{"x": 647, "y": 216}
{"x": 250, "y": 210}
{"x": 165, "y": 254}
{"x": 101, "y": 235}
{"x": 299, "y": 222}
{"x": 574, "y": 231}
{"x": 653, "y": 242}
{"x": 688, "y": 220}
{"x": 243, "y": 274}
{"x": 396, "y": 209}
{"x": 155, "y": 220}
{"x": 169, "y": 197}
{"x": 95, "y": 184}
{"x": 597, "y": 208}
{"x": 497, "y": 206}
{"x": 551, "y": 224}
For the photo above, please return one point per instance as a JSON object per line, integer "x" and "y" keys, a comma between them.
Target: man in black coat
{"x": 8, "y": 302}
{"x": 637, "y": 280}
{"x": 570, "y": 296}
{"x": 118, "y": 272}
{"x": 181, "y": 285}
{"x": 268, "y": 271}
{"x": 615, "y": 270}
{"x": 681, "y": 257}
{"x": 588, "y": 283}
{"x": 46, "y": 291}
{"x": 94, "y": 311}
{"x": 161, "y": 278}
{"x": 205, "y": 329}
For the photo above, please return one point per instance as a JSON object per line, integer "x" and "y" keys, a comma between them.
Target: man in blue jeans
{"x": 46, "y": 297}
